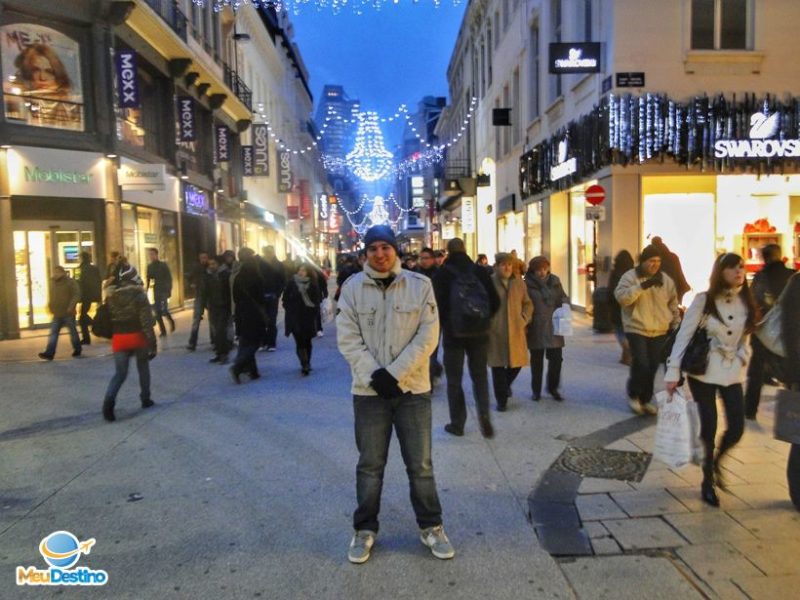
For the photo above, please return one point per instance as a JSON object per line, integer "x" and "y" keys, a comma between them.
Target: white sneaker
{"x": 636, "y": 406}
{"x": 435, "y": 539}
{"x": 361, "y": 546}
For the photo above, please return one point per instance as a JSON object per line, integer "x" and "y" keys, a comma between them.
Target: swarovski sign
{"x": 583, "y": 57}
{"x": 565, "y": 166}
{"x": 760, "y": 144}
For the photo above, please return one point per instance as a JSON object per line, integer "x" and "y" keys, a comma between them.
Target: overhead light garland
{"x": 295, "y": 6}
{"x": 369, "y": 159}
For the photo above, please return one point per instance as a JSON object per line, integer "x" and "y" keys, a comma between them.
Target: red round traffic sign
{"x": 595, "y": 194}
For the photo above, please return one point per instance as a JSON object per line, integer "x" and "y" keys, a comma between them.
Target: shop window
{"x": 533, "y": 94}
{"x": 722, "y": 25}
{"x": 141, "y": 127}
{"x": 42, "y": 83}
{"x": 581, "y": 249}
{"x": 533, "y": 233}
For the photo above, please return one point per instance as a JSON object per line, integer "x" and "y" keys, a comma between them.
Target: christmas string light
{"x": 369, "y": 159}
{"x": 295, "y": 6}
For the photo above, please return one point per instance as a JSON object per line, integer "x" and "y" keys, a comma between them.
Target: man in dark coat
{"x": 426, "y": 265}
{"x": 250, "y": 313}
{"x": 767, "y": 287}
{"x": 671, "y": 265}
{"x": 159, "y": 275}
{"x": 218, "y": 300}
{"x": 475, "y": 346}
{"x": 88, "y": 276}
{"x": 274, "y": 282}
{"x": 197, "y": 280}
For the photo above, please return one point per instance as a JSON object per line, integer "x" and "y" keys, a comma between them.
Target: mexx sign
{"x": 127, "y": 82}
{"x": 223, "y": 144}
{"x": 247, "y": 161}
{"x": 186, "y": 119}
{"x": 260, "y": 150}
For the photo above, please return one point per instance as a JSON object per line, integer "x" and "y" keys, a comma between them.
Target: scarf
{"x": 384, "y": 280}
{"x": 302, "y": 284}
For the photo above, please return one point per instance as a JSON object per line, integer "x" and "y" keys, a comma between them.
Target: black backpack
{"x": 470, "y": 312}
{"x": 101, "y": 324}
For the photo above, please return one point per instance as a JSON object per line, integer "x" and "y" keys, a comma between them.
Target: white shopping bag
{"x": 326, "y": 308}
{"x": 677, "y": 430}
{"x": 562, "y": 320}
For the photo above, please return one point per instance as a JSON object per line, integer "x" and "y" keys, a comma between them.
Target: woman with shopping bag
{"x": 548, "y": 295}
{"x": 713, "y": 349}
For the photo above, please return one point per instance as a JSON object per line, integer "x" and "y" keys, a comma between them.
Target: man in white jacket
{"x": 649, "y": 301}
{"x": 387, "y": 327}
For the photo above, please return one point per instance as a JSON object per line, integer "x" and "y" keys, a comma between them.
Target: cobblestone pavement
{"x": 224, "y": 491}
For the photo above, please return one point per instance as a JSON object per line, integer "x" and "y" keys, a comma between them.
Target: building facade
{"x": 686, "y": 115}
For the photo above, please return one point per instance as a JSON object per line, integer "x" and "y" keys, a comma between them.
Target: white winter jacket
{"x": 396, "y": 328}
{"x": 729, "y": 350}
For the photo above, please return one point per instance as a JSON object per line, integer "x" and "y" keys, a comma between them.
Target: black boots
{"x": 707, "y": 491}
{"x": 304, "y": 354}
{"x": 108, "y": 410}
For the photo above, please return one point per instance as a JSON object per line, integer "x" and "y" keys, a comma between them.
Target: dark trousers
{"x": 476, "y": 349}
{"x": 271, "y": 339}
{"x": 555, "y": 357}
{"x": 303, "y": 349}
{"x": 200, "y": 306}
{"x": 502, "y": 378}
{"x": 645, "y": 359}
{"x": 161, "y": 309}
{"x": 434, "y": 366}
{"x": 218, "y": 324}
{"x": 55, "y": 330}
{"x": 410, "y": 417}
{"x": 245, "y": 361}
{"x": 85, "y": 321}
{"x": 705, "y": 394}
{"x": 121, "y": 363}
{"x": 756, "y": 374}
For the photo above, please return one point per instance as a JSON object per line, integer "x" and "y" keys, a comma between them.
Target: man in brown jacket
{"x": 64, "y": 296}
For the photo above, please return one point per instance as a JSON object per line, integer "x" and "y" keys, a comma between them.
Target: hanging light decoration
{"x": 369, "y": 159}
{"x": 295, "y": 6}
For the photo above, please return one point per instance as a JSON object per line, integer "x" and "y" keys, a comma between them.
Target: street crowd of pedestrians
{"x": 394, "y": 312}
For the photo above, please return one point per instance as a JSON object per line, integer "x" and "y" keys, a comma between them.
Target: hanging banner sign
{"x": 467, "y": 214}
{"x": 260, "y": 135}
{"x": 127, "y": 80}
{"x": 247, "y": 161}
{"x": 223, "y": 144}
{"x": 583, "y": 57}
{"x": 186, "y": 119}
{"x": 284, "y": 171}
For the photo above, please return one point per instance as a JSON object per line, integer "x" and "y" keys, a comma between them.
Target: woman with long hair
{"x": 301, "y": 300}
{"x": 729, "y": 313}
{"x": 623, "y": 262}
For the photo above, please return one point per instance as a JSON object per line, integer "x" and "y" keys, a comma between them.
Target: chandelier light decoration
{"x": 369, "y": 159}
{"x": 295, "y": 6}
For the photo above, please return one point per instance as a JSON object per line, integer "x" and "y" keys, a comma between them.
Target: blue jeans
{"x": 410, "y": 416}
{"x": 121, "y": 362}
{"x": 161, "y": 310}
{"x": 55, "y": 329}
{"x": 197, "y": 316}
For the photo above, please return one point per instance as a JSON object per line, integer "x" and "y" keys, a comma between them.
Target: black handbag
{"x": 695, "y": 358}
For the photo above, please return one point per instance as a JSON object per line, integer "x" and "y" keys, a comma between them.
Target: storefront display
{"x": 533, "y": 230}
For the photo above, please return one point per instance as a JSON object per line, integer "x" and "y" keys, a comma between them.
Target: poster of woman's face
{"x": 41, "y": 76}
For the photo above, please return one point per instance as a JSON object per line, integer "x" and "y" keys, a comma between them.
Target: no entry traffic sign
{"x": 595, "y": 194}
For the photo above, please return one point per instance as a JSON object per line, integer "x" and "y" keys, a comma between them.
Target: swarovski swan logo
{"x": 763, "y": 130}
{"x": 566, "y": 166}
{"x": 562, "y": 151}
{"x": 763, "y": 127}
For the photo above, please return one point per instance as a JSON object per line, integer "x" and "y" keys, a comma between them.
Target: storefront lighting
{"x": 6, "y": 147}
{"x": 111, "y": 155}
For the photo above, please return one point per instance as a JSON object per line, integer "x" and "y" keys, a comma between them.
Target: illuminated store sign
{"x": 760, "y": 144}
{"x": 566, "y": 166}
{"x": 574, "y": 58}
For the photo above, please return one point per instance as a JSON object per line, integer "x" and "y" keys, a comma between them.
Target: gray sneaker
{"x": 360, "y": 546}
{"x": 435, "y": 539}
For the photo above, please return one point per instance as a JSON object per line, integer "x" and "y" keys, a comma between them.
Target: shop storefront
{"x": 510, "y": 224}
{"x": 708, "y": 175}
{"x": 228, "y": 225}
{"x": 263, "y": 228}
{"x": 57, "y": 212}
{"x": 197, "y": 230}
{"x": 149, "y": 213}
{"x": 533, "y": 230}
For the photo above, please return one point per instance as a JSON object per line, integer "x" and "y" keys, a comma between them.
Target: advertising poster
{"x": 41, "y": 77}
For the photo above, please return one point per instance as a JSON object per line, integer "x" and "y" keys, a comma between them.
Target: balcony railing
{"x": 172, "y": 15}
{"x": 237, "y": 85}
{"x": 456, "y": 167}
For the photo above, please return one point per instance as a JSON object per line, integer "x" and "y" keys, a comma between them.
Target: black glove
{"x": 151, "y": 354}
{"x": 656, "y": 280}
{"x": 386, "y": 385}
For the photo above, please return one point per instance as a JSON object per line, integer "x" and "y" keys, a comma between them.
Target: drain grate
{"x": 602, "y": 463}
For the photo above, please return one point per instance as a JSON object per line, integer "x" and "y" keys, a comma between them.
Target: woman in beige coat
{"x": 508, "y": 349}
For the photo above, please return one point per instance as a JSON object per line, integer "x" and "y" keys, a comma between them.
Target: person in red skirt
{"x": 132, "y": 327}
